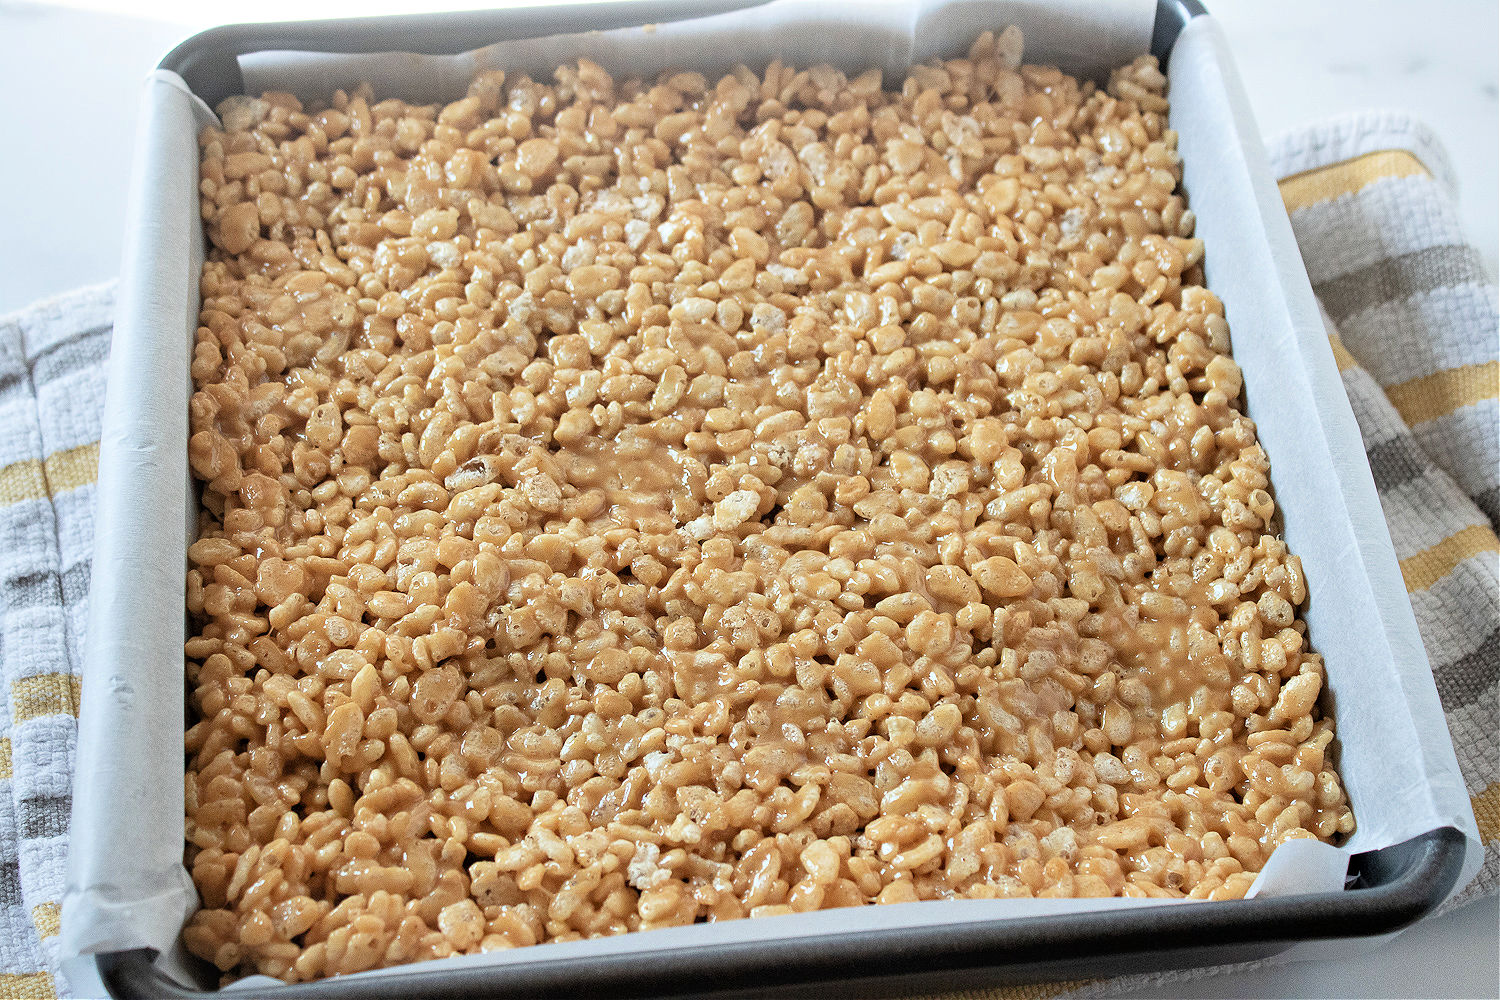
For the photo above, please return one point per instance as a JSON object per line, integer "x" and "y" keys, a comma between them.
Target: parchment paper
{"x": 126, "y": 881}
{"x": 127, "y": 887}
{"x": 1090, "y": 38}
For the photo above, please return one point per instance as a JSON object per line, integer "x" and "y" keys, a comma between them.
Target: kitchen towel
{"x": 52, "y": 361}
{"x": 1413, "y": 325}
{"x": 1413, "y": 321}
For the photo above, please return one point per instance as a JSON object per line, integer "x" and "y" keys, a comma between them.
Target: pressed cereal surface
{"x": 632, "y": 503}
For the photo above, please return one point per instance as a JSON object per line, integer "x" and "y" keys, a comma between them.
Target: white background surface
{"x": 69, "y": 80}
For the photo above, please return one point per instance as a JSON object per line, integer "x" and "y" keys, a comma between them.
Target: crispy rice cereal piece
{"x": 634, "y": 503}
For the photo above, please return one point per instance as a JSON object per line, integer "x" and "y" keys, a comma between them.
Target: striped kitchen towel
{"x": 52, "y": 359}
{"x": 1416, "y": 339}
{"x": 1413, "y": 320}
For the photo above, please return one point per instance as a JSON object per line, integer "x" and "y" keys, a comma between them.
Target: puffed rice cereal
{"x": 634, "y": 503}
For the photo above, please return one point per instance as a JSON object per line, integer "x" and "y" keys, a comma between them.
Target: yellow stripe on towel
{"x": 1346, "y": 177}
{"x": 1341, "y": 355}
{"x": 60, "y": 472}
{"x": 74, "y": 467}
{"x": 1487, "y": 812}
{"x": 1432, "y": 564}
{"x": 1431, "y": 396}
{"x": 48, "y": 919}
{"x": 44, "y": 694}
{"x": 23, "y": 480}
{"x": 28, "y": 986}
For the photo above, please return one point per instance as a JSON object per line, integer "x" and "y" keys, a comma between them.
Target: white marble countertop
{"x": 1302, "y": 61}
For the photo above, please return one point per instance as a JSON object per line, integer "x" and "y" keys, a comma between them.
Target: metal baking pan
{"x": 1393, "y": 888}
{"x": 1387, "y": 889}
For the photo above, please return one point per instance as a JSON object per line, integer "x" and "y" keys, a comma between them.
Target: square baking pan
{"x": 1386, "y": 889}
